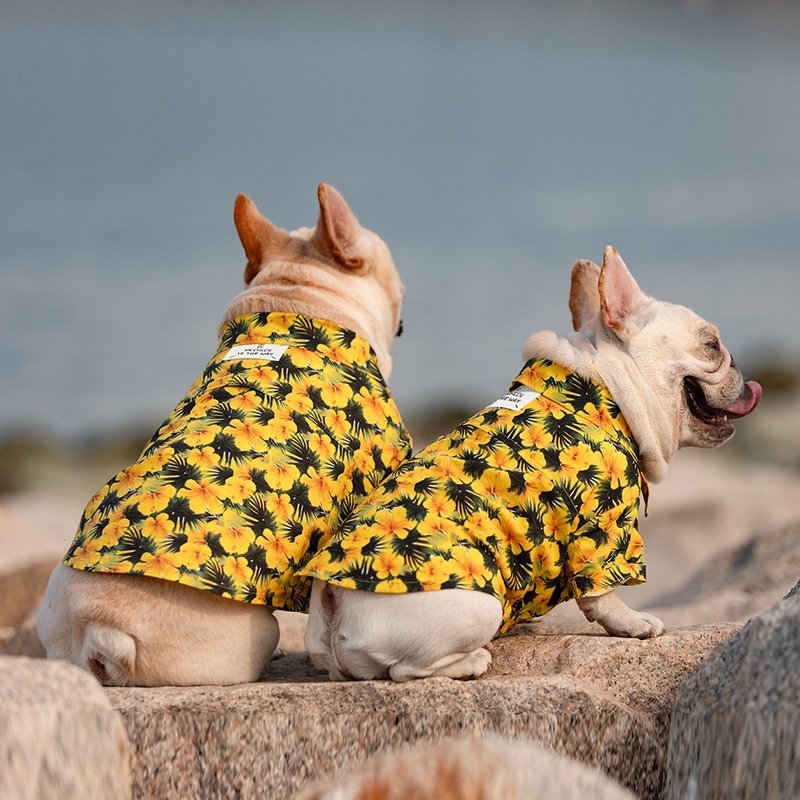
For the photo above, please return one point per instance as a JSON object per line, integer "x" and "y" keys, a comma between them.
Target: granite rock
{"x": 735, "y": 729}
{"x": 21, "y": 591}
{"x": 739, "y": 583}
{"x": 59, "y": 736}
{"x": 478, "y": 769}
{"x": 601, "y": 700}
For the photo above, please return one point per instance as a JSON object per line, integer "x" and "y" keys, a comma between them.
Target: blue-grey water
{"x": 490, "y": 144}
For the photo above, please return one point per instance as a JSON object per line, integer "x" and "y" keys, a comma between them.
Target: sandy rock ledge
{"x": 735, "y": 729}
{"x": 59, "y": 737}
{"x": 601, "y": 700}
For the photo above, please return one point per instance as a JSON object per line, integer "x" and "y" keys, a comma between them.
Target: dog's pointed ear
{"x": 620, "y": 295}
{"x": 584, "y": 293}
{"x": 257, "y": 234}
{"x": 338, "y": 231}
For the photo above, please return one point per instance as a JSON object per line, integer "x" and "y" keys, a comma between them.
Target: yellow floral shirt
{"x": 533, "y": 500}
{"x": 288, "y": 427}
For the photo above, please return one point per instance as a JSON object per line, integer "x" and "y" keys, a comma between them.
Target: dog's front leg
{"x": 618, "y": 619}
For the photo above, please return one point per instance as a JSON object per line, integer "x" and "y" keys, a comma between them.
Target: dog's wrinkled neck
{"x": 653, "y": 426}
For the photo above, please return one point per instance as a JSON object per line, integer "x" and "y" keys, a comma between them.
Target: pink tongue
{"x": 747, "y": 402}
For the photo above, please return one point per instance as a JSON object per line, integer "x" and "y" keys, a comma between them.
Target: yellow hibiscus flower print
{"x": 237, "y": 489}
{"x": 493, "y": 483}
{"x": 576, "y": 458}
{"x": 336, "y": 395}
{"x": 155, "y": 496}
{"x": 337, "y": 423}
{"x": 281, "y": 427}
{"x": 433, "y": 573}
{"x": 280, "y": 473}
{"x": 512, "y": 532}
{"x": 203, "y": 496}
{"x": 545, "y": 560}
{"x": 468, "y": 565}
{"x": 273, "y": 442}
{"x": 479, "y": 525}
{"x": 322, "y": 444}
{"x": 388, "y": 564}
{"x": 261, "y": 374}
{"x": 87, "y": 552}
{"x": 158, "y": 526}
{"x": 280, "y": 506}
{"x": 389, "y": 586}
{"x": 237, "y": 569}
{"x": 320, "y": 487}
{"x": 535, "y": 438}
{"x": 160, "y": 565}
{"x": 502, "y": 459}
{"x": 436, "y": 526}
{"x": 156, "y": 460}
{"x": 204, "y": 458}
{"x": 440, "y": 505}
{"x": 390, "y": 522}
{"x": 533, "y": 504}
{"x": 299, "y": 401}
{"x": 194, "y": 554}
{"x": 234, "y": 535}
{"x": 355, "y": 542}
{"x": 128, "y": 479}
{"x": 614, "y": 463}
{"x": 247, "y": 434}
{"x": 199, "y": 434}
{"x": 536, "y": 483}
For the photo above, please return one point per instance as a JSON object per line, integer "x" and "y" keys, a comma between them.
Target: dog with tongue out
{"x": 533, "y": 500}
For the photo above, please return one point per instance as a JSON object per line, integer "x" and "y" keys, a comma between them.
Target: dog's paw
{"x": 619, "y": 620}
{"x": 640, "y": 626}
{"x": 461, "y": 666}
{"x": 472, "y": 665}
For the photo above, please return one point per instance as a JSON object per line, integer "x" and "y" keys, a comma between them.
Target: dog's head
{"x": 351, "y": 266}
{"x": 680, "y": 355}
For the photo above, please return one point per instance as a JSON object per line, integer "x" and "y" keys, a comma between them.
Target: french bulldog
{"x": 533, "y": 500}
{"x": 180, "y": 558}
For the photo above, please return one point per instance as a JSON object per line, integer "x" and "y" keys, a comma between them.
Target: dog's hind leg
{"x": 321, "y": 613}
{"x": 415, "y": 635}
{"x": 109, "y": 654}
{"x": 455, "y": 665}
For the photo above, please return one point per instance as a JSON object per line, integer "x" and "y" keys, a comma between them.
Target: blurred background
{"x": 490, "y": 144}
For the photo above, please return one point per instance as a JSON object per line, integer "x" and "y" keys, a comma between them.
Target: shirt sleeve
{"x": 607, "y": 552}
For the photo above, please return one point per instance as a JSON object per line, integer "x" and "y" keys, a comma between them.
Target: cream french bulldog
{"x": 180, "y": 558}
{"x": 533, "y": 500}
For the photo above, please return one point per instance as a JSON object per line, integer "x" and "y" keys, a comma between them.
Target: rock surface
{"x": 59, "y": 736}
{"x": 604, "y": 701}
{"x": 735, "y": 730}
{"x": 738, "y": 583}
{"x": 479, "y": 769}
{"x": 722, "y": 544}
{"x": 21, "y": 591}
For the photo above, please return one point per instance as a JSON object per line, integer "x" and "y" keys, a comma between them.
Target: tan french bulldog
{"x": 533, "y": 500}
{"x": 181, "y": 557}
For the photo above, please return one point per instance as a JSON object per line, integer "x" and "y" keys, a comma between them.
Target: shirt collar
{"x": 577, "y": 394}
{"x": 297, "y": 331}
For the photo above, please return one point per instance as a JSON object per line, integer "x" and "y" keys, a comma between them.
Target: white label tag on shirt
{"x": 516, "y": 399}
{"x": 263, "y": 352}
